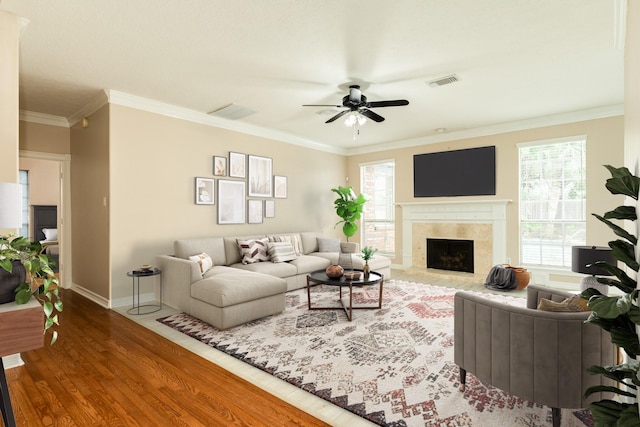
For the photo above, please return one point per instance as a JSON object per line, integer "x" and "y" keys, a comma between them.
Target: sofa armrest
{"x": 349, "y": 247}
{"x": 177, "y": 276}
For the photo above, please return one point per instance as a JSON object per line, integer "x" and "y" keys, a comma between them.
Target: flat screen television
{"x": 468, "y": 172}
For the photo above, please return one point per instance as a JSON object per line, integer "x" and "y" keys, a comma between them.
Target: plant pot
{"x": 366, "y": 270}
{"x": 10, "y": 281}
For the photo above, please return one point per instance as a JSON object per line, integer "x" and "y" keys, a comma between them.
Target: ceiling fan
{"x": 357, "y": 102}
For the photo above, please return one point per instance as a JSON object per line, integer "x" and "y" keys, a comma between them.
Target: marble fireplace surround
{"x": 483, "y": 221}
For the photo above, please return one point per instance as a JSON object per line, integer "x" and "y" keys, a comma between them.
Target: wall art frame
{"x": 254, "y": 211}
{"x": 205, "y": 191}
{"x": 219, "y": 166}
{"x": 231, "y": 201}
{"x": 280, "y": 187}
{"x": 260, "y": 176}
{"x": 237, "y": 165}
{"x": 269, "y": 208}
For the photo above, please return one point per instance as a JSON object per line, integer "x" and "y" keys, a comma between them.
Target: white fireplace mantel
{"x": 492, "y": 212}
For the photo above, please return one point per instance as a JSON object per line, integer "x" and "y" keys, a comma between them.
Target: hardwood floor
{"x": 106, "y": 370}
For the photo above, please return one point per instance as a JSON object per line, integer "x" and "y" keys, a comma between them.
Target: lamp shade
{"x": 10, "y": 205}
{"x": 582, "y": 256}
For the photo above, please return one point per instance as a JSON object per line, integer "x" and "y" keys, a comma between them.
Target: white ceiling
{"x": 516, "y": 60}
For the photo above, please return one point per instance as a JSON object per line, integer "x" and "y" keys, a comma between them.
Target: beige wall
{"x": 43, "y": 138}
{"x": 604, "y": 146}
{"x": 90, "y": 217}
{"x": 9, "y": 31}
{"x": 154, "y": 161}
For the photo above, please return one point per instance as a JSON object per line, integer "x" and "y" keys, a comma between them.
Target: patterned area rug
{"x": 392, "y": 366}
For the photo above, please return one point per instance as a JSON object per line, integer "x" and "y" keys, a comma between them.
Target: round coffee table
{"x": 320, "y": 278}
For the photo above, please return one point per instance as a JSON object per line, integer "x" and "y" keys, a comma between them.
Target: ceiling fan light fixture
{"x": 355, "y": 117}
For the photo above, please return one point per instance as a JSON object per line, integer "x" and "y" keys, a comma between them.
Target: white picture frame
{"x": 254, "y": 211}
{"x": 219, "y": 166}
{"x": 231, "y": 202}
{"x": 237, "y": 165}
{"x": 205, "y": 191}
{"x": 280, "y": 187}
{"x": 269, "y": 208}
{"x": 260, "y": 176}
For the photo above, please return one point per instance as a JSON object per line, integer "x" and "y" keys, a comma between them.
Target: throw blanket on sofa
{"x": 501, "y": 279}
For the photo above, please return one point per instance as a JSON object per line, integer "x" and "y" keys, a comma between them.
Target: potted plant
{"x": 348, "y": 207}
{"x": 367, "y": 254}
{"x": 619, "y": 315}
{"x": 39, "y": 279}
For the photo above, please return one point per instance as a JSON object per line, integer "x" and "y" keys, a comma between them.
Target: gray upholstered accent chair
{"x": 539, "y": 356}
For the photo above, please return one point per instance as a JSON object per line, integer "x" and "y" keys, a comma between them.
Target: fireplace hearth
{"x": 450, "y": 254}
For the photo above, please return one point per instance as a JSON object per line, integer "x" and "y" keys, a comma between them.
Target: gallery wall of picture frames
{"x": 245, "y": 191}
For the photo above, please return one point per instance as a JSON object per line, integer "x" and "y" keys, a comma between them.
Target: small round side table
{"x": 135, "y": 278}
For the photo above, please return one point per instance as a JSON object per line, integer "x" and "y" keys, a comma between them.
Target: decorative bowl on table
{"x": 334, "y": 271}
{"x": 146, "y": 267}
{"x": 352, "y": 275}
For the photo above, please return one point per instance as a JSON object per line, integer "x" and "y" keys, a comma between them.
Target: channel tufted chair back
{"x": 539, "y": 356}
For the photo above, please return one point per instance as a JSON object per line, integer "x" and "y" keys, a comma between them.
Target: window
{"x": 378, "y": 221}
{"x": 552, "y": 201}
{"x": 24, "y": 181}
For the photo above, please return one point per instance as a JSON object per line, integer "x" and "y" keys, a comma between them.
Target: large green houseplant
{"x": 41, "y": 281}
{"x": 348, "y": 207}
{"x": 619, "y": 315}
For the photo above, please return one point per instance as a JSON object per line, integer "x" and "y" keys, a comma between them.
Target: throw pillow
{"x": 254, "y": 250}
{"x": 574, "y": 303}
{"x": 204, "y": 261}
{"x": 281, "y": 251}
{"x": 328, "y": 245}
{"x": 293, "y": 239}
{"x": 50, "y": 234}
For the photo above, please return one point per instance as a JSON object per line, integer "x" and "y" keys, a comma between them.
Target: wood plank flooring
{"x": 106, "y": 370}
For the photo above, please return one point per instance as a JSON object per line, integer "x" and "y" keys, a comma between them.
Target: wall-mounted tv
{"x": 468, "y": 172}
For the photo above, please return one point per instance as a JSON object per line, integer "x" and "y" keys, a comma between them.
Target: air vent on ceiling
{"x": 443, "y": 81}
{"x": 232, "y": 112}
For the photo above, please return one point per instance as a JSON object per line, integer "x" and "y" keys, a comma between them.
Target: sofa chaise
{"x": 228, "y": 281}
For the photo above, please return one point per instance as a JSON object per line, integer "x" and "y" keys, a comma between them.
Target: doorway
{"x": 61, "y": 186}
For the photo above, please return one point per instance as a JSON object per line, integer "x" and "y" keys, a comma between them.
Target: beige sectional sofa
{"x": 232, "y": 292}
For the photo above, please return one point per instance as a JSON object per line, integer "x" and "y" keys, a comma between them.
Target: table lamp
{"x": 581, "y": 259}
{"x": 10, "y": 205}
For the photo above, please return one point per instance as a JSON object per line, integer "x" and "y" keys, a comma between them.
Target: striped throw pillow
{"x": 281, "y": 252}
{"x": 293, "y": 239}
{"x": 254, "y": 250}
{"x": 204, "y": 261}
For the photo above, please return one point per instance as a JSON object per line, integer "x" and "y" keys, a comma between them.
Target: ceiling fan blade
{"x": 373, "y": 116}
{"x": 322, "y": 105}
{"x": 337, "y": 116}
{"x": 394, "y": 103}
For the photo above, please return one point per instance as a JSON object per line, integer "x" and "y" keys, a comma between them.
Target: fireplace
{"x": 450, "y": 254}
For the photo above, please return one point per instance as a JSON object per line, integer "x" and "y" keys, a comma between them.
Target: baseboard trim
{"x": 100, "y": 300}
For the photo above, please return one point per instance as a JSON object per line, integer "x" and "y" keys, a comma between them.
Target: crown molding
{"x": 94, "y": 105}
{"x": 43, "y": 119}
{"x": 145, "y": 104}
{"x": 533, "y": 123}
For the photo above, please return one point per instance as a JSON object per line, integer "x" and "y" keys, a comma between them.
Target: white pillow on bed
{"x": 50, "y": 234}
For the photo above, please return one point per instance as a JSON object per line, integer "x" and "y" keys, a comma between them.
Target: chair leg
{"x": 463, "y": 378}
{"x": 555, "y": 417}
